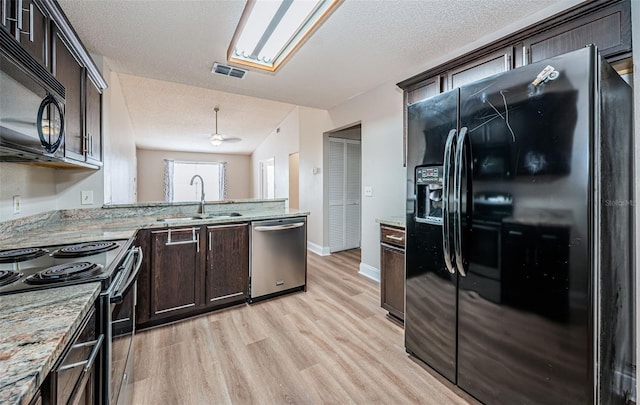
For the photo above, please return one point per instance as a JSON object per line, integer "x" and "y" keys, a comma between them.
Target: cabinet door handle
{"x": 4, "y": 12}
{"x": 269, "y": 228}
{"x": 507, "y": 61}
{"x": 392, "y": 237}
{"x": 525, "y": 56}
{"x": 20, "y": 20}
{"x": 19, "y": 16}
{"x": 195, "y": 238}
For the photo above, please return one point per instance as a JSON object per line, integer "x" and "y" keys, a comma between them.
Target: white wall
{"x": 119, "y": 146}
{"x": 35, "y": 185}
{"x": 313, "y": 124}
{"x": 380, "y": 114}
{"x": 151, "y": 172}
{"x": 278, "y": 145}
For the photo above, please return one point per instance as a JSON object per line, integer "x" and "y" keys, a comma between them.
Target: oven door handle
{"x": 88, "y": 363}
{"x": 118, "y": 297}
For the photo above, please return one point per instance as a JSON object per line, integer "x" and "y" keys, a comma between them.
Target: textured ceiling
{"x": 363, "y": 44}
{"x": 179, "y": 117}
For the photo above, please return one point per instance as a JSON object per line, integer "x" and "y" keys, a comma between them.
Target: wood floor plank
{"x": 332, "y": 344}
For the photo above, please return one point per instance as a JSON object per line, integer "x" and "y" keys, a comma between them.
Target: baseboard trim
{"x": 317, "y": 249}
{"x": 369, "y": 272}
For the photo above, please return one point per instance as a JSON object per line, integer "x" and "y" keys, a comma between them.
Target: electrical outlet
{"x": 368, "y": 191}
{"x": 16, "y": 204}
{"x": 86, "y": 197}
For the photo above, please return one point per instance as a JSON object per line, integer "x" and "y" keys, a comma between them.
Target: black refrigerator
{"x": 519, "y": 286}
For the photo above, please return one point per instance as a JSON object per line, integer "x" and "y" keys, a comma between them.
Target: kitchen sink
{"x": 199, "y": 217}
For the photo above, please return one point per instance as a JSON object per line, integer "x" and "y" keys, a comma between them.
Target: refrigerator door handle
{"x": 446, "y": 175}
{"x": 457, "y": 201}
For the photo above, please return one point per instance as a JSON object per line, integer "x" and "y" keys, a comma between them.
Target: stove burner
{"x": 84, "y": 249}
{"x": 8, "y": 276}
{"x": 20, "y": 255}
{"x": 65, "y": 272}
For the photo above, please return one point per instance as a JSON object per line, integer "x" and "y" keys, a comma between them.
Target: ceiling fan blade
{"x": 232, "y": 140}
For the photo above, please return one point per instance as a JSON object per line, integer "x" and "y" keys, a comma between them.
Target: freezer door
{"x": 523, "y": 309}
{"x": 430, "y": 304}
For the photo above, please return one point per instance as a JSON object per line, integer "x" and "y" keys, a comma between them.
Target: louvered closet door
{"x": 344, "y": 194}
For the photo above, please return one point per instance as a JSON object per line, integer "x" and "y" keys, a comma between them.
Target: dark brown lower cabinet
{"x": 191, "y": 270}
{"x": 392, "y": 271}
{"x": 227, "y": 265}
{"x": 175, "y": 271}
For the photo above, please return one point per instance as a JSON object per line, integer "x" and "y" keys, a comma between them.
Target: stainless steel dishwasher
{"x": 278, "y": 257}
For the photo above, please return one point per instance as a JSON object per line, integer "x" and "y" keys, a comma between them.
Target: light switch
{"x": 16, "y": 204}
{"x": 86, "y": 197}
{"x": 368, "y": 191}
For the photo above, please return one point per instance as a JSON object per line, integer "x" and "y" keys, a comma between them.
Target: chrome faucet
{"x": 201, "y": 210}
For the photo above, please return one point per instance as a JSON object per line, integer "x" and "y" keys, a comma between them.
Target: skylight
{"x": 271, "y": 30}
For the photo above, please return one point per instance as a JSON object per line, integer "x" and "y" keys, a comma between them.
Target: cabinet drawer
{"x": 392, "y": 236}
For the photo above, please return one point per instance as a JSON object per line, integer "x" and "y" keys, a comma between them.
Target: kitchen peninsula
{"x": 25, "y": 368}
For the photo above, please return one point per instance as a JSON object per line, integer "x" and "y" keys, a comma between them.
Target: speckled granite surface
{"x": 398, "y": 222}
{"x": 35, "y": 327}
{"x": 122, "y": 222}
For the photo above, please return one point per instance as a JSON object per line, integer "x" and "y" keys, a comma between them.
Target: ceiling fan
{"x": 216, "y": 138}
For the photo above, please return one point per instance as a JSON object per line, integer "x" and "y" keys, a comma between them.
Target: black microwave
{"x": 31, "y": 107}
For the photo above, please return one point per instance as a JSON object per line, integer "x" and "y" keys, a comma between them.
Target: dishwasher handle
{"x": 268, "y": 228}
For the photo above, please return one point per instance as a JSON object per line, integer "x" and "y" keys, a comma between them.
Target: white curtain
{"x": 168, "y": 180}
{"x": 169, "y": 172}
{"x": 223, "y": 180}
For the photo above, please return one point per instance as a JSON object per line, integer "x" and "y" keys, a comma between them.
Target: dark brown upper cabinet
{"x": 83, "y": 105}
{"x": 605, "y": 23}
{"x": 497, "y": 62}
{"x": 69, "y": 72}
{"x": 93, "y": 121}
{"x": 28, "y": 23}
{"x": 41, "y": 29}
{"x": 608, "y": 28}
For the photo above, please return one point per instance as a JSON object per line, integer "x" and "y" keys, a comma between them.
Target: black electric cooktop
{"x": 28, "y": 269}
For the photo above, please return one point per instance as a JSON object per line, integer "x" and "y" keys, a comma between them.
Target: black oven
{"x": 32, "y": 113}
{"x": 119, "y": 308}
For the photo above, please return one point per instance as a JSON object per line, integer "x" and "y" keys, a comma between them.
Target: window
{"x": 179, "y": 176}
{"x": 267, "y": 179}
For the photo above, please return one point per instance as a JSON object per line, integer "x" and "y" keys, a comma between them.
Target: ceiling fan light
{"x": 216, "y": 140}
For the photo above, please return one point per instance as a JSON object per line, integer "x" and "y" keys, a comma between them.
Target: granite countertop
{"x": 106, "y": 224}
{"x": 398, "y": 222}
{"x": 36, "y": 327}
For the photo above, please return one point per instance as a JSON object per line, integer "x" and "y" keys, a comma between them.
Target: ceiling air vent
{"x": 228, "y": 70}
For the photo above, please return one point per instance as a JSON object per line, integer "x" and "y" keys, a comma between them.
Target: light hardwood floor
{"x": 330, "y": 345}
